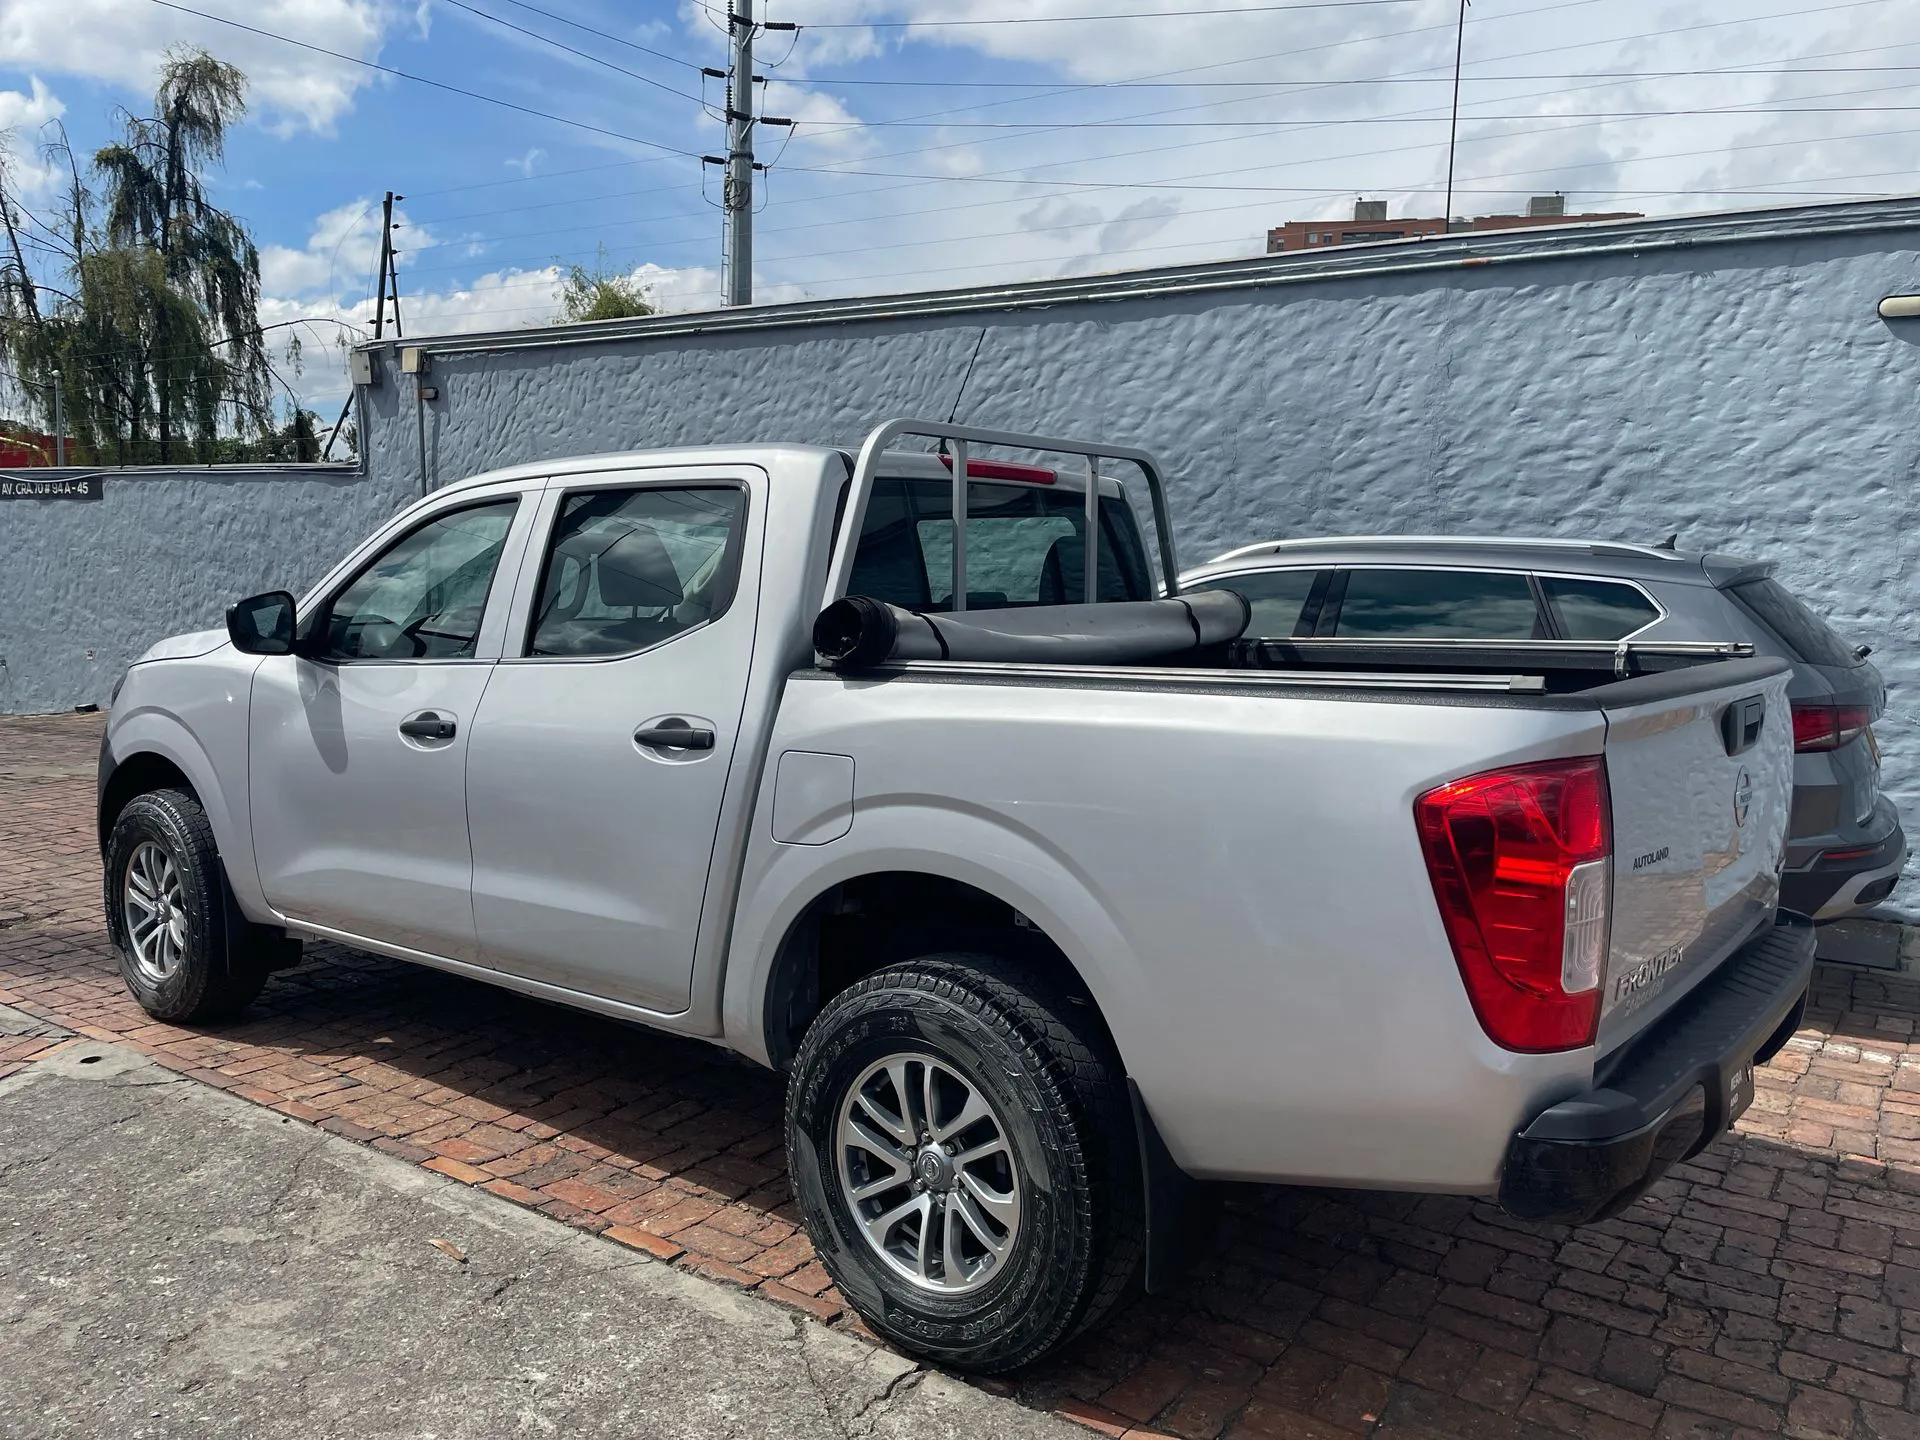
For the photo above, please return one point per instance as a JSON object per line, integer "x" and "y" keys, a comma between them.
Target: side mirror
{"x": 262, "y": 624}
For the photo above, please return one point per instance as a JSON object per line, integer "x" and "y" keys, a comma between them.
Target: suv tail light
{"x": 1817, "y": 726}
{"x": 1521, "y": 862}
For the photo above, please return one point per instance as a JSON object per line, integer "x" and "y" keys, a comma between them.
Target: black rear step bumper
{"x": 1670, "y": 1093}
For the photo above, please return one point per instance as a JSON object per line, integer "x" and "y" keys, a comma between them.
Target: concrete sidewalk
{"x": 177, "y": 1262}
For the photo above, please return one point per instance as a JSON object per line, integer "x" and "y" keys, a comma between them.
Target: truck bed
{"x": 1229, "y": 858}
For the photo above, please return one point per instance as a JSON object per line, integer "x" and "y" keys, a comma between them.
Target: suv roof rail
{"x": 873, "y": 449}
{"x": 1496, "y": 542}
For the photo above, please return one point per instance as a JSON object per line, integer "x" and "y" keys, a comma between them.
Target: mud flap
{"x": 1179, "y": 1209}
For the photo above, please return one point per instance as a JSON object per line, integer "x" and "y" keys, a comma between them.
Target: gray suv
{"x": 1845, "y": 848}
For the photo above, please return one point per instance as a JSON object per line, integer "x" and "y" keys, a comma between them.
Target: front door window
{"x": 423, "y": 598}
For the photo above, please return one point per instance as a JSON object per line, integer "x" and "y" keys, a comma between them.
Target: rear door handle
{"x": 429, "y": 727}
{"x": 674, "y": 735}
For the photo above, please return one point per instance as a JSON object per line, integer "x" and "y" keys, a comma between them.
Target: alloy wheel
{"x": 925, "y": 1165}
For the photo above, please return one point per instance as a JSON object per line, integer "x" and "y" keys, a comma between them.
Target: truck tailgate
{"x": 1700, "y": 768}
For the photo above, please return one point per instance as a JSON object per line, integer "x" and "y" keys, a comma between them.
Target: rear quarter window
{"x": 1781, "y": 611}
{"x": 1597, "y": 609}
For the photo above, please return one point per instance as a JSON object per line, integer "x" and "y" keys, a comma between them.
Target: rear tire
{"x": 185, "y": 952}
{"x": 1026, "y": 1222}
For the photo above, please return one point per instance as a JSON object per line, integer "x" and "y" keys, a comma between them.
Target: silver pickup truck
{"x": 1047, "y": 893}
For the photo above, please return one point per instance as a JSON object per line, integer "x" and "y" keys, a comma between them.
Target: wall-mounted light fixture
{"x": 413, "y": 360}
{"x": 1900, "y": 307}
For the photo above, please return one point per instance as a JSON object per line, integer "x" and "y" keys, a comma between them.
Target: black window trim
{"x": 1660, "y": 612}
{"x": 736, "y": 549}
{"x": 315, "y": 622}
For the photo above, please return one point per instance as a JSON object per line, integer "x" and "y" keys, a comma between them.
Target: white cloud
{"x": 526, "y": 163}
{"x": 24, "y": 112}
{"x": 341, "y": 253}
{"x": 124, "y": 41}
{"x": 21, "y": 117}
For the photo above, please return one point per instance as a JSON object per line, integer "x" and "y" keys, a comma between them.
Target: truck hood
{"x": 185, "y": 647}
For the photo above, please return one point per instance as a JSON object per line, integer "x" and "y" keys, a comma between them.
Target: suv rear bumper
{"x": 1669, "y": 1093}
{"x": 1846, "y": 876}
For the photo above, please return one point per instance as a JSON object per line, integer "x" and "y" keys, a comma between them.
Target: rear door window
{"x": 630, "y": 569}
{"x": 1388, "y": 604}
{"x": 1026, "y": 545}
{"x": 1806, "y": 634}
{"x": 1276, "y": 597}
{"x": 1597, "y": 609}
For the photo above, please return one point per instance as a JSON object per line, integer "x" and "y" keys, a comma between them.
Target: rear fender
{"x": 781, "y": 881}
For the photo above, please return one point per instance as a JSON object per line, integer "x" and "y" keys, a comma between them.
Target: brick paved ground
{"x": 1771, "y": 1287}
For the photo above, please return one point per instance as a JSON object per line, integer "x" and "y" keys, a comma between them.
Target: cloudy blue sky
{"x": 946, "y": 142}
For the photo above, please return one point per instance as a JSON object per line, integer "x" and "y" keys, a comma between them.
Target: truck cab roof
{"x": 907, "y": 464}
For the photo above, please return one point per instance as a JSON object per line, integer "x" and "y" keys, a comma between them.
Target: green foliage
{"x": 157, "y": 335}
{"x": 602, "y": 293}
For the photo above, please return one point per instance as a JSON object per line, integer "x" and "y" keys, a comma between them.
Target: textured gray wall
{"x": 86, "y": 585}
{"x": 1741, "y": 390}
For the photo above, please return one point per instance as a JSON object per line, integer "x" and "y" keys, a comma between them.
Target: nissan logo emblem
{"x": 1742, "y": 797}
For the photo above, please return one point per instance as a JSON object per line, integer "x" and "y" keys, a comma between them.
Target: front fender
{"x": 201, "y": 729}
{"x": 978, "y": 849}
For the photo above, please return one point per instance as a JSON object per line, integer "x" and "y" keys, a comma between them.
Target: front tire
{"x": 962, "y": 1151}
{"x": 169, "y": 917}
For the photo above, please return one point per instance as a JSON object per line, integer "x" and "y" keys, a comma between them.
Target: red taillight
{"x": 1828, "y": 727}
{"x": 1520, "y": 865}
{"x": 1003, "y": 470}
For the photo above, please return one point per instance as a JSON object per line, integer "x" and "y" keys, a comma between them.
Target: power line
{"x": 1070, "y": 88}
{"x": 435, "y": 84}
{"x": 1403, "y": 119}
{"x": 916, "y": 182}
{"x": 604, "y": 34}
{"x": 1304, "y": 88}
{"x": 1082, "y": 186}
{"x": 1112, "y": 15}
{"x": 580, "y": 54}
{"x": 830, "y": 81}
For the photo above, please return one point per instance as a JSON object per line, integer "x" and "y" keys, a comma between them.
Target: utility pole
{"x": 389, "y": 281}
{"x": 59, "y": 422}
{"x": 389, "y": 277}
{"x": 1453, "y": 130}
{"x": 739, "y": 182}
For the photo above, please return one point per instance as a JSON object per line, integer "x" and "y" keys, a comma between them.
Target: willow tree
{"x": 157, "y": 334}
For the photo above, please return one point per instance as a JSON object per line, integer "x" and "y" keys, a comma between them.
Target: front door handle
{"x": 429, "y": 727}
{"x": 674, "y": 735}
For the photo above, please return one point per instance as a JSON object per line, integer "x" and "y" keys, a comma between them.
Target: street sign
{"x": 16, "y": 486}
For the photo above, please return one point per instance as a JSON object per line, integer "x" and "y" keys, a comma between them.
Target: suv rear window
{"x": 1806, "y": 634}
{"x": 1439, "y": 605}
{"x": 1026, "y": 545}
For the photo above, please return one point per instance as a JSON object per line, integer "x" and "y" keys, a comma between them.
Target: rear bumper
{"x": 1669, "y": 1093}
{"x": 1846, "y": 877}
